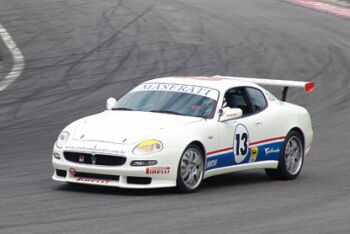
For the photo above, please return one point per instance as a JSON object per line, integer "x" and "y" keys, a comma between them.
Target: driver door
{"x": 237, "y": 137}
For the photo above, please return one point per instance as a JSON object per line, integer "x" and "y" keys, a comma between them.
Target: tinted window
{"x": 236, "y": 98}
{"x": 257, "y": 99}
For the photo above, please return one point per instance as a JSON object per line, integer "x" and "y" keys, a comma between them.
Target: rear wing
{"x": 308, "y": 86}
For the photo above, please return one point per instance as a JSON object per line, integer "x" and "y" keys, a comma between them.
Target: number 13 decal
{"x": 241, "y": 143}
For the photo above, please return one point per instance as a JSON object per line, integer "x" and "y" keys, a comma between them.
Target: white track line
{"x": 18, "y": 59}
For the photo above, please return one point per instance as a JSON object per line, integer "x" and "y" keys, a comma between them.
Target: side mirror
{"x": 111, "y": 103}
{"x": 227, "y": 114}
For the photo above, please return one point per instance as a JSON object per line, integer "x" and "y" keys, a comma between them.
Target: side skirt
{"x": 247, "y": 166}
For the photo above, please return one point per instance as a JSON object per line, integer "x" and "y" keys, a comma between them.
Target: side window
{"x": 237, "y": 98}
{"x": 257, "y": 99}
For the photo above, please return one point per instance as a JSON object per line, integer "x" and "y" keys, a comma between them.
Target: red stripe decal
{"x": 263, "y": 141}
{"x": 221, "y": 150}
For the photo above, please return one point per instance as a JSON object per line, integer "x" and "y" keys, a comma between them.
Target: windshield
{"x": 171, "y": 99}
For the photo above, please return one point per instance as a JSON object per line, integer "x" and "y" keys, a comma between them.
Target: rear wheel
{"x": 190, "y": 170}
{"x": 291, "y": 158}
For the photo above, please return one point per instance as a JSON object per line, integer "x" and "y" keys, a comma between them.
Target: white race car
{"x": 178, "y": 131}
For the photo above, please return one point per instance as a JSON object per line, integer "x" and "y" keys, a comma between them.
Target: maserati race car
{"x": 177, "y": 131}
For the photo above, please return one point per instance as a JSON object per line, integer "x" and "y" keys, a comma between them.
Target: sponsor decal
{"x": 212, "y": 163}
{"x": 231, "y": 115}
{"x": 254, "y": 154}
{"x": 157, "y": 170}
{"x": 92, "y": 180}
{"x": 202, "y": 91}
{"x": 241, "y": 143}
{"x": 95, "y": 149}
{"x": 271, "y": 150}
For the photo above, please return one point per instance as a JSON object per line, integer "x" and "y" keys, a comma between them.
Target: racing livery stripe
{"x": 253, "y": 143}
{"x": 219, "y": 151}
{"x": 263, "y": 152}
{"x": 267, "y": 140}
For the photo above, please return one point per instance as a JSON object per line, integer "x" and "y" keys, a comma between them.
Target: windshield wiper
{"x": 122, "y": 108}
{"x": 166, "y": 112}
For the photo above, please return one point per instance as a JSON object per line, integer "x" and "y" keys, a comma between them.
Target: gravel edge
{"x": 343, "y": 3}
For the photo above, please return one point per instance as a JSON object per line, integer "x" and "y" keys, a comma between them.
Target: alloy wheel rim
{"x": 293, "y": 155}
{"x": 191, "y": 168}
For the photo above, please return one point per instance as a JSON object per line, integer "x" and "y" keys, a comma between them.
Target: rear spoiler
{"x": 308, "y": 86}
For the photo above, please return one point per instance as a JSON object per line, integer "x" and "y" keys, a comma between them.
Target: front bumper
{"x": 126, "y": 176}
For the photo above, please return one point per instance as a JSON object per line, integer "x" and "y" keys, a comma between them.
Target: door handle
{"x": 258, "y": 123}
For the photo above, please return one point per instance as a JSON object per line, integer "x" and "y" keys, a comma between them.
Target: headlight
{"x": 148, "y": 147}
{"x": 61, "y": 140}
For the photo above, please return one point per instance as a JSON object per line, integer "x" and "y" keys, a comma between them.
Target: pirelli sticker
{"x": 190, "y": 89}
{"x": 157, "y": 170}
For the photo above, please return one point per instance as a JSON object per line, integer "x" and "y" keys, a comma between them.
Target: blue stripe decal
{"x": 255, "y": 154}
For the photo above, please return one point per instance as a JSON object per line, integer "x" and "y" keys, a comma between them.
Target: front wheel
{"x": 190, "y": 170}
{"x": 291, "y": 158}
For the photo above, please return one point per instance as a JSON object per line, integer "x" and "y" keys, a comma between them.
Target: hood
{"x": 126, "y": 127}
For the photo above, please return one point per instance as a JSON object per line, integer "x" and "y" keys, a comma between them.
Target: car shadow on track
{"x": 236, "y": 179}
{"x": 113, "y": 190}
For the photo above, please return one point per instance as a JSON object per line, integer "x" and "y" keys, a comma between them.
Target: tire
{"x": 290, "y": 163}
{"x": 190, "y": 171}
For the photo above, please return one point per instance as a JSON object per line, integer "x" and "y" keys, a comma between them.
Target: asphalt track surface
{"x": 78, "y": 53}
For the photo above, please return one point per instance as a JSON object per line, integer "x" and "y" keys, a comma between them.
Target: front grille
{"x": 138, "y": 180}
{"x": 97, "y": 159}
{"x": 96, "y": 176}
